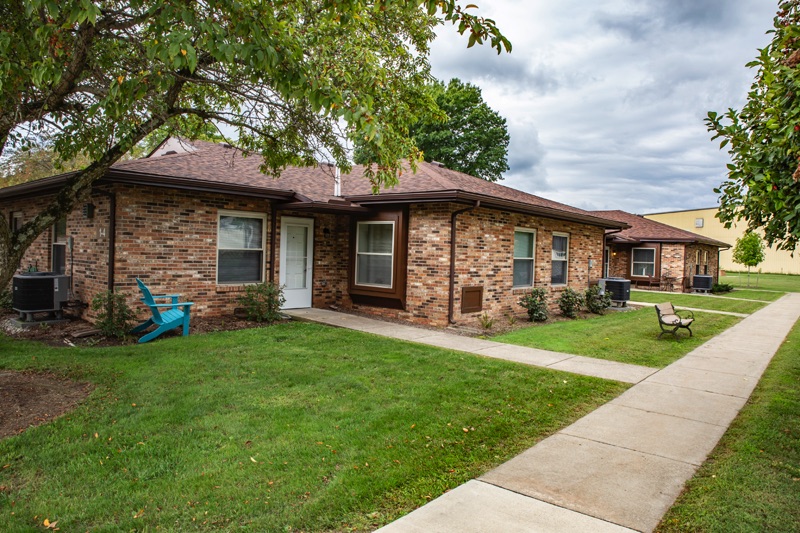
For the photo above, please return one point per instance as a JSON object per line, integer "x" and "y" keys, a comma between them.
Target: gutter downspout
{"x": 273, "y": 223}
{"x": 112, "y": 234}
{"x": 453, "y": 234}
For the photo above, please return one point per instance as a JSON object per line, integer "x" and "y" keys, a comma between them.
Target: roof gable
{"x": 645, "y": 230}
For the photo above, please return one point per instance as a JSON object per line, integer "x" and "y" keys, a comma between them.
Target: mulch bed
{"x": 32, "y": 398}
{"x": 29, "y": 399}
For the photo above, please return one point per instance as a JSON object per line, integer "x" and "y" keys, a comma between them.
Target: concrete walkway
{"x": 576, "y": 364}
{"x": 621, "y": 467}
{"x": 695, "y": 309}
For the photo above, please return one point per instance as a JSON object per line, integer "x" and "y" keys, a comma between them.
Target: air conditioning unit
{"x": 618, "y": 288}
{"x": 702, "y": 282}
{"x": 39, "y": 292}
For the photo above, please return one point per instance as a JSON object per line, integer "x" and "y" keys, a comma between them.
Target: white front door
{"x": 296, "y": 261}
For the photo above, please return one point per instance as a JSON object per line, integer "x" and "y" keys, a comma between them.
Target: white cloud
{"x": 605, "y": 102}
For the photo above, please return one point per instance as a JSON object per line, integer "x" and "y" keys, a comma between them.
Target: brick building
{"x": 199, "y": 219}
{"x": 650, "y": 253}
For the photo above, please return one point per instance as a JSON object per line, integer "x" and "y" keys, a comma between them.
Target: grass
{"x": 752, "y": 294}
{"x": 770, "y": 282}
{"x": 293, "y": 427}
{"x": 627, "y": 337}
{"x": 697, "y": 301}
{"x": 751, "y": 482}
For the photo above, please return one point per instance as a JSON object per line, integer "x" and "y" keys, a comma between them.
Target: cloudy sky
{"x": 605, "y": 101}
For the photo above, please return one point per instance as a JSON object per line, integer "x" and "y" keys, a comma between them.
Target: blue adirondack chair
{"x": 171, "y": 318}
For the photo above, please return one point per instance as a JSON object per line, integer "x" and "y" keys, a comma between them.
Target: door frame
{"x": 308, "y": 223}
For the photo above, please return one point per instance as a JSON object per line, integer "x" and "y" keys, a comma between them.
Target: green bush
{"x": 263, "y": 302}
{"x": 114, "y": 317}
{"x": 597, "y": 302}
{"x": 536, "y": 304}
{"x": 5, "y": 301}
{"x": 721, "y": 287}
{"x": 570, "y": 302}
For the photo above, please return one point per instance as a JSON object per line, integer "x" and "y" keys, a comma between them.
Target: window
{"x": 698, "y": 222}
{"x": 16, "y": 221}
{"x": 705, "y": 262}
{"x": 240, "y": 247}
{"x": 606, "y": 260}
{"x": 560, "y": 258}
{"x": 375, "y": 254}
{"x": 644, "y": 262}
{"x": 697, "y": 261}
{"x": 524, "y": 253}
{"x": 59, "y": 255}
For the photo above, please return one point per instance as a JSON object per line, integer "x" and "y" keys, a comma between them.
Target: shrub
{"x": 721, "y": 287}
{"x": 263, "y": 302}
{"x": 486, "y": 320}
{"x": 114, "y": 317}
{"x": 597, "y": 302}
{"x": 570, "y": 303}
{"x": 5, "y": 301}
{"x": 536, "y": 304}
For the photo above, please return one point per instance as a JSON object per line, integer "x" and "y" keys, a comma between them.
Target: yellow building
{"x": 704, "y": 222}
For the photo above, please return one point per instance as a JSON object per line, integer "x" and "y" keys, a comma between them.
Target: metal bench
{"x": 671, "y": 321}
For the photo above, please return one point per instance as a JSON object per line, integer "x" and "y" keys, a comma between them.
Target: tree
{"x": 471, "y": 138}
{"x": 764, "y": 140}
{"x": 294, "y": 79}
{"x": 749, "y": 251}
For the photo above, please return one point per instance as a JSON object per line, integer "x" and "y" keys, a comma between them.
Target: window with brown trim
{"x": 378, "y": 259}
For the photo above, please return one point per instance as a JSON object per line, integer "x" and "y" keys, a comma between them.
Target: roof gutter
{"x": 453, "y": 235}
{"x": 485, "y": 201}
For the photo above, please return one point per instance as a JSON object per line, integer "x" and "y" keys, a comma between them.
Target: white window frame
{"x": 653, "y": 250}
{"x": 60, "y": 243}
{"x": 565, "y": 260}
{"x": 361, "y": 223}
{"x": 243, "y": 214}
{"x": 532, "y": 258}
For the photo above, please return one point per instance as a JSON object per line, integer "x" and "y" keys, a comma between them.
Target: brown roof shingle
{"x": 645, "y": 230}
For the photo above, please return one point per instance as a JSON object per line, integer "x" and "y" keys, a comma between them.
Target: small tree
{"x": 749, "y": 251}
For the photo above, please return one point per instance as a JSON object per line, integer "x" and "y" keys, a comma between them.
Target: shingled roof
{"x": 645, "y": 230}
{"x": 206, "y": 166}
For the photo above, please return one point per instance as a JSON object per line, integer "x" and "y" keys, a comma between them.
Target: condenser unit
{"x": 619, "y": 289}
{"x": 702, "y": 282}
{"x": 39, "y": 292}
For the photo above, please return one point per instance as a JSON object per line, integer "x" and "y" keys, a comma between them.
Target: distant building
{"x": 705, "y": 222}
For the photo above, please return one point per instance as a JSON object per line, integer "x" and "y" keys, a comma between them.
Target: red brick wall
{"x": 168, "y": 238}
{"x": 484, "y": 257}
{"x": 88, "y": 261}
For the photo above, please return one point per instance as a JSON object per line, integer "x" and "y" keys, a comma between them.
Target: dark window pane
{"x": 523, "y": 272}
{"x": 559, "y": 273}
{"x": 375, "y": 238}
{"x": 239, "y": 266}
{"x": 374, "y": 270}
{"x": 59, "y": 259}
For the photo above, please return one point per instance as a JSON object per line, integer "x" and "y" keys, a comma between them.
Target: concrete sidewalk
{"x": 576, "y": 364}
{"x": 621, "y": 467}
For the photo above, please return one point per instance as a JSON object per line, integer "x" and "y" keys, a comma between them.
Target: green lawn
{"x": 752, "y": 294}
{"x": 751, "y": 482}
{"x": 772, "y": 282}
{"x": 696, "y": 301}
{"x": 296, "y": 427}
{"x": 627, "y": 337}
